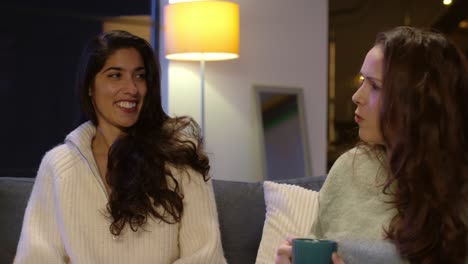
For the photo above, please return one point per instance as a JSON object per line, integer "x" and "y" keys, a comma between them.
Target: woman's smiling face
{"x": 119, "y": 89}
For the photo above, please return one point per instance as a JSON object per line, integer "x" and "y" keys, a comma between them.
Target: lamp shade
{"x": 202, "y": 30}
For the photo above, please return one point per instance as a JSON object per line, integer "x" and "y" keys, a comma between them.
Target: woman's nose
{"x": 131, "y": 86}
{"x": 358, "y": 97}
{"x": 354, "y": 98}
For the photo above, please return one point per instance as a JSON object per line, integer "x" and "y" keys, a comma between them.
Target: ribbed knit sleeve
{"x": 40, "y": 238}
{"x": 199, "y": 236}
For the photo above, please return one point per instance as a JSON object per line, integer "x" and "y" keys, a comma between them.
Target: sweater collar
{"x": 82, "y": 137}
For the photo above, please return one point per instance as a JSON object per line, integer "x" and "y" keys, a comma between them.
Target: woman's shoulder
{"x": 359, "y": 161}
{"x": 184, "y": 127}
{"x": 60, "y": 158}
{"x": 344, "y": 161}
{"x": 57, "y": 153}
{"x": 359, "y": 157}
{"x": 187, "y": 178}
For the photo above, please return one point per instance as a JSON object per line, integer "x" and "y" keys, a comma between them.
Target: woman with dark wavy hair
{"x": 402, "y": 192}
{"x": 130, "y": 185}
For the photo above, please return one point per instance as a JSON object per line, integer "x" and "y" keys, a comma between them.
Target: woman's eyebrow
{"x": 113, "y": 68}
{"x": 121, "y": 69}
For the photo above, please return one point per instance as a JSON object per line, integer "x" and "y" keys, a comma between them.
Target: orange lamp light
{"x": 202, "y": 30}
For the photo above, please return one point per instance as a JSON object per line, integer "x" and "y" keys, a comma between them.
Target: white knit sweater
{"x": 66, "y": 219}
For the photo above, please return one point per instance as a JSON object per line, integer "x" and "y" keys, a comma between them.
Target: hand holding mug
{"x": 317, "y": 251}
{"x": 326, "y": 252}
{"x": 284, "y": 252}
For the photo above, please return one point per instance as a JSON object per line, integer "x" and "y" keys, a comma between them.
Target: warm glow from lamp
{"x": 463, "y": 24}
{"x": 202, "y": 30}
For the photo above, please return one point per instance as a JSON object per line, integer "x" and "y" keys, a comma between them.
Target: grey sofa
{"x": 241, "y": 210}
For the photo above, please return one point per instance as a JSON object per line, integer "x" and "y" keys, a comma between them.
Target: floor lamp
{"x": 202, "y": 31}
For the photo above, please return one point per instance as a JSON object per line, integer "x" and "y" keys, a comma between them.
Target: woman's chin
{"x": 126, "y": 123}
{"x": 370, "y": 139}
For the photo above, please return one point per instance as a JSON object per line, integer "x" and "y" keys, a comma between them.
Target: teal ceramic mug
{"x": 312, "y": 251}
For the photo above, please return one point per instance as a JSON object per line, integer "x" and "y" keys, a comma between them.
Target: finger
{"x": 337, "y": 259}
{"x": 282, "y": 260}
{"x": 284, "y": 250}
{"x": 283, "y": 254}
{"x": 290, "y": 239}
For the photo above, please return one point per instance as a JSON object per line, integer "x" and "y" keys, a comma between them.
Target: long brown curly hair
{"x": 139, "y": 162}
{"x": 424, "y": 119}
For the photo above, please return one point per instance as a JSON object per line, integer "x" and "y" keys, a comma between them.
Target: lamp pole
{"x": 187, "y": 34}
{"x": 202, "y": 78}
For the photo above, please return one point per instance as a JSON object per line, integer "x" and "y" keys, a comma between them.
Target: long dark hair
{"x": 424, "y": 119}
{"x": 139, "y": 163}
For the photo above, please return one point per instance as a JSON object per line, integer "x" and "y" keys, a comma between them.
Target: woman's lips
{"x": 358, "y": 118}
{"x": 127, "y": 106}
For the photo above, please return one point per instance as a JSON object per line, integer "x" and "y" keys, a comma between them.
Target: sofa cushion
{"x": 14, "y": 195}
{"x": 290, "y": 210}
{"x": 241, "y": 211}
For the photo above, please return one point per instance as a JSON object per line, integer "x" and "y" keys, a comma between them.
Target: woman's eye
{"x": 114, "y": 75}
{"x": 141, "y": 76}
{"x": 375, "y": 86}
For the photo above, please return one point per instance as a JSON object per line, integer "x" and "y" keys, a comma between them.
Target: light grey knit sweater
{"x": 353, "y": 209}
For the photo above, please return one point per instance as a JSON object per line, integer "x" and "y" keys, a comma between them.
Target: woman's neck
{"x": 104, "y": 138}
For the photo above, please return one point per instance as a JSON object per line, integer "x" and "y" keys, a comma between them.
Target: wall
{"x": 282, "y": 43}
{"x": 40, "y": 43}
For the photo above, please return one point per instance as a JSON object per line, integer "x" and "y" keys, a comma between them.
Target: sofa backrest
{"x": 14, "y": 195}
{"x": 241, "y": 212}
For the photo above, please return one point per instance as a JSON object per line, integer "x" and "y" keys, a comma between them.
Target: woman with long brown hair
{"x": 405, "y": 185}
{"x": 129, "y": 185}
